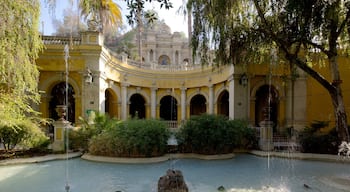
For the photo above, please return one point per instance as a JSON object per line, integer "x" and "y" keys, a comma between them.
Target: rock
{"x": 172, "y": 181}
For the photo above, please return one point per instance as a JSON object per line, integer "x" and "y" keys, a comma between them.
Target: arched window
{"x": 151, "y": 55}
{"x": 164, "y": 60}
{"x": 58, "y": 97}
{"x": 266, "y": 104}
{"x": 223, "y": 103}
{"x": 198, "y": 105}
{"x": 168, "y": 108}
{"x": 137, "y": 106}
{"x": 177, "y": 57}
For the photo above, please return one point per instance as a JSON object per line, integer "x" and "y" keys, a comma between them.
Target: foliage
{"x": 132, "y": 138}
{"x": 313, "y": 140}
{"x": 244, "y": 135}
{"x": 20, "y": 44}
{"x": 105, "y": 12}
{"x": 212, "y": 134}
{"x": 71, "y": 24}
{"x": 292, "y": 32}
{"x": 136, "y": 12}
{"x": 24, "y": 133}
{"x": 93, "y": 126}
{"x": 124, "y": 44}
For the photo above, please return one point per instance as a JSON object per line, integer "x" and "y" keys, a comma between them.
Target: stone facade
{"x": 164, "y": 85}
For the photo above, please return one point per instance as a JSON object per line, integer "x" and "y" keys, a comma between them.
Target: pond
{"x": 242, "y": 173}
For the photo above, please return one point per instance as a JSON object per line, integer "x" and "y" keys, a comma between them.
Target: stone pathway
{"x": 38, "y": 159}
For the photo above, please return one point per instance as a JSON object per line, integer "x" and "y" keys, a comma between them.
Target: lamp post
{"x": 243, "y": 80}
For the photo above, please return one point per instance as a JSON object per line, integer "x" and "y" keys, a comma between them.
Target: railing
{"x": 172, "y": 124}
{"x": 281, "y": 142}
{"x": 153, "y": 65}
{"x": 59, "y": 40}
{"x": 156, "y": 66}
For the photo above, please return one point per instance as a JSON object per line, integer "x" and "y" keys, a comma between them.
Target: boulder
{"x": 172, "y": 181}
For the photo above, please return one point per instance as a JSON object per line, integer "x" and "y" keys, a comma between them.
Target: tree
{"x": 105, "y": 13}
{"x": 71, "y": 24}
{"x": 20, "y": 43}
{"x": 136, "y": 13}
{"x": 303, "y": 32}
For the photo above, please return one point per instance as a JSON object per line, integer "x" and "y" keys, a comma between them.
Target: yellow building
{"x": 166, "y": 86}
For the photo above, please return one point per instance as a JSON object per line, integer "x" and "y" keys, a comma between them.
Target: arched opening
{"x": 137, "y": 106}
{"x": 266, "y": 104}
{"x": 151, "y": 55}
{"x": 168, "y": 108}
{"x": 176, "y": 57}
{"x": 164, "y": 60}
{"x": 223, "y": 104}
{"x": 58, "y": 97}
{"x": 198, "y": 105}
{"x": 111, "y": 105}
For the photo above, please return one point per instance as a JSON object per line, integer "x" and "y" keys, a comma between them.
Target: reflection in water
{"x": 244, "y": 173}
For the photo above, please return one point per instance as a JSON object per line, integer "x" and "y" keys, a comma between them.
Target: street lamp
{"x": 243, "y": 80}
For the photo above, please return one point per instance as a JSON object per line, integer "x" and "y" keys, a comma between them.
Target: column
{"x": 231, "y": 99}
{"x": 124, "y": 101}
{"x": 183, "y": 104}
{"x": 153, "y": 101}
{"x": 211, "y": 99}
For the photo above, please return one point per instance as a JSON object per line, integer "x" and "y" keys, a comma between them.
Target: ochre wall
{"x": 319, "y": 103}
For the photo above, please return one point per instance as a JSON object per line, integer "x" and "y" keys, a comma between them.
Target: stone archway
{"x": 164, "y": 60}
{"x": 198, "y": 105}
{"x": 111, "y": 103}
{"x": 59, "y": 97}
{"x": 223, "y": 106}
{"x": 168, "y": 108}
{"x": 266, "y": 104}
{"x": 137, "y": 107}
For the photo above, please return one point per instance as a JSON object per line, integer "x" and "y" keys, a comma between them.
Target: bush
{"x": 212, "y": 134}
{"x": 95, "y": 124}
{"x": 313, "y": 140}
{"x": 25, "y": 133}
{"x": 132, "y": 138}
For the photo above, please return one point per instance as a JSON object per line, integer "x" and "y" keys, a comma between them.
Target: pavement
{"x": 39, "y": 159}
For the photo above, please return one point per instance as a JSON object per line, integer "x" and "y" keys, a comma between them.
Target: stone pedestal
{"x": 266, "y": 135}
{"x": 172, "y": 181}
{"x": 59, "y": 129}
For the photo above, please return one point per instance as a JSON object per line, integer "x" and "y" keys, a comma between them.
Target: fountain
{"x": 243, "y": 173}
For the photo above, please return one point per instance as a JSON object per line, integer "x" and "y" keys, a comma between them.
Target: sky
{"x": 175, "y": 21}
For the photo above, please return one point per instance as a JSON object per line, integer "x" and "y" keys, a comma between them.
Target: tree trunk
{"x": 333, "y": 89}
{"x": 337, "y": 100}
{"x": 340, "y": 115}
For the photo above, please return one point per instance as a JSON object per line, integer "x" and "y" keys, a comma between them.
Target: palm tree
{"x": 105, "y": 13}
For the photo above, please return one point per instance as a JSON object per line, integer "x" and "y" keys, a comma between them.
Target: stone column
{"x": 231, "y": 98}
{"x": 266, "y": 142}
{"x": 153, "y": 101}
{"x": 211, "y": 99}
{"x": 183, "y": 104}
{"x": 124, "y": 100}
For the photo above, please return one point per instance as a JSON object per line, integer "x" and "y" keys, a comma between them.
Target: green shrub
{"x": 132, "y": 138}
{"x": 95, "y": 124}
{"x": 212, "y": 134}
{"x": 313, "y": 140}
{"x": 25, "y": 133}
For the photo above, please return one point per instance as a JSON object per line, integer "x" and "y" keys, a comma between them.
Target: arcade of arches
{"x": 168, "y": 108}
